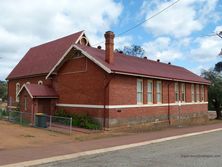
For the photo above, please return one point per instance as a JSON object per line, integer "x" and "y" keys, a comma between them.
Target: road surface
{"x": 199, "y": 151}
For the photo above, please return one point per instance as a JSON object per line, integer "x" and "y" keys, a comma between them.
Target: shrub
{"x": 3, "y": 112}
{"x": 80, "y": 120}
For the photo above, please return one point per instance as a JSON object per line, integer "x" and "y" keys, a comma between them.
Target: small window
{"x": 192, "y": 93}
{"x": 17, "y": 90}
{"x": 197, "y": 93}
{"x": 40, "y": 82}
{"x": 25, "y": 103}
{"x": 176, "y": 92}
{"x": 159, "y": 92}
{"x": 202, "y": 92}
{"x": 183, "y": 92}
{"x": 150, "y": 92}
{"x": 27, "y": 83}
{"x": 139, "y": 91}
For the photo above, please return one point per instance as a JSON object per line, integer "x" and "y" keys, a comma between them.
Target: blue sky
{"x": 177, "y": 35}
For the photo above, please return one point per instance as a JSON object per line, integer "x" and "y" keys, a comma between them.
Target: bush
{"x": 80, "y": 120}
{"x": 3, "y": 112}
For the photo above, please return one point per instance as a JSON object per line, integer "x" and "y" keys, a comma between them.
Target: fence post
{"x": 50, "y": 121}
{"x": 70, "y": 128}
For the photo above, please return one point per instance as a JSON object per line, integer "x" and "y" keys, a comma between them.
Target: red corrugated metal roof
{"x": 40, "y": 91}
{"x": 140, "y": 66}
{"x": 41, "y": 59}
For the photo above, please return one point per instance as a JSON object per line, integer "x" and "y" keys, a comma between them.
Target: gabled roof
{"x": 131, "y": 65}
{"x": 40, "y": 59}
{"x": 46, "y": 58}
{"x": 39, "y": 91}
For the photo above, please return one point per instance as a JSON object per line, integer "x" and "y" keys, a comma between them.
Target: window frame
{"x": 183, "y": 92}
{"x": 139, "y": 92}
{"x": 149, "y": 92}
{"x": 159, "y": 93}
{"x": 197, "y": 93}
{"x": 192, "y": 93}
{"x": 176, "y": 89}
{"x": 202, "y": 96}
{"x": 25, "y": 103}
{"x": 17, "y": 89}
{"x": 40, "y": 82}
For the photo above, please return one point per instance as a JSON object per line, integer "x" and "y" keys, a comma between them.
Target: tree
{"x": 3, "y": 90}
{"x": 133, "y": 50}
{"x": 214, "y": 91}
{"x": 218, "y": 67}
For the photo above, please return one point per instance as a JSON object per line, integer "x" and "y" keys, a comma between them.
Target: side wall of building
{"x": 124, "y": 110}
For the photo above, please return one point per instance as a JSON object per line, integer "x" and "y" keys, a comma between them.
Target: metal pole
{"x": 70, "y": 128}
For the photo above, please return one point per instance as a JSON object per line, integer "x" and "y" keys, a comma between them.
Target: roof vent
{"x": 158, "y": 60}
{"x": 169, "y": 63}
{"x": 99, "y": 47}
{"x": 145, "y": 57}
{"x": 84, "y": 41}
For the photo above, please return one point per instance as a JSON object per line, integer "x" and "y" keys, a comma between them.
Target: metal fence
{"x": 53, "y": 123}
{"x": 59, "y": 124}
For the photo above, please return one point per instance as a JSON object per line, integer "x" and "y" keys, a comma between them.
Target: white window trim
{"x": 40, "y": 82}
{"x": 149, "y": 81}
{"x": 183, "y": 85}
{"x": 197, "y": 93}
{"x": 202, "y": 92}
{"x": 139, "y": 80}
{"x": 161, "y": 91}
{"x": 176, "y": 92}
{"x": 192, "y": 93}
{"x": 17, "y": 89}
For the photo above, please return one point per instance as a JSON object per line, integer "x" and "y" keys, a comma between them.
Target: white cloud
{"x": 180, "y": 20}
{"x": 27, "y": 23}
{"x": 207, "y": 49}
{"x": 162, "y": 48}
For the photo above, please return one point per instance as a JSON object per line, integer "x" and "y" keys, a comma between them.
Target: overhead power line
{"x": 151, "y": 17}
{"x": 142, "y": 22}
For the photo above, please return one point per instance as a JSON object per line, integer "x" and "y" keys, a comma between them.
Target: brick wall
{"x": 82, "y": 84}
{"x": 12, "y": 86}
{"x": 123, "y": 91}
{"x": 29, "y": 103}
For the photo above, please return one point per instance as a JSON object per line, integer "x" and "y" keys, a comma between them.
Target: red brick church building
{"x": 117, "y": 89}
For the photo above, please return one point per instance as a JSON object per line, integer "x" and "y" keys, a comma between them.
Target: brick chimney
{"x": 109, "y": 57}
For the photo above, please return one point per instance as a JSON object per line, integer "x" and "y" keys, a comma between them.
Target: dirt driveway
{"x": 13, "y": 136}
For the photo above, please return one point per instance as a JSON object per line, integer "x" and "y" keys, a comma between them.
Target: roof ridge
{"x": 51, "y": 41}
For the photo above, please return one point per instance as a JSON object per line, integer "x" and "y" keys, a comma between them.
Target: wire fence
{"x": 39, "y": 120}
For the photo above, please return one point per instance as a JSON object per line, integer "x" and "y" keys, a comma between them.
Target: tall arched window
{"x": 17, "y": 90}
{"x": 40, "y": 82}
